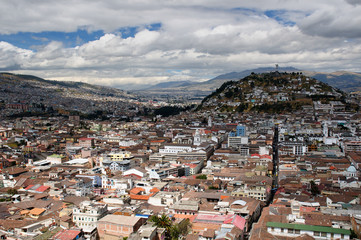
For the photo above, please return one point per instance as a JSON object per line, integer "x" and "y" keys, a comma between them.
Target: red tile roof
{"x": 137, "y": 190}
{"x": 67, "y": 235}
{"x": 30, "y": 186}
{"x": 42, "y": 188}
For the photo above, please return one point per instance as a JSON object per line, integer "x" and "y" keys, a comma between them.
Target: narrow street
{"x": 275, "y": 166}
{"x": 274, "y": 172}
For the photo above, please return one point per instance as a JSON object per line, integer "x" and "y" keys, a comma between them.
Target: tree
{"x": 174, "y": 232}
{"x": 314, "y": 189}
{"x": 163, "y": 222}
{"x": 184, "y": 227}
{"x": 203, "y": 176}
{"x": 12, "y": 191}
{"x": 179, "y": 229}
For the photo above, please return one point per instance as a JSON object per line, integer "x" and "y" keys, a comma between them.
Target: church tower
{"x": 197, "y": 138}
{"x": 210, "y": 121}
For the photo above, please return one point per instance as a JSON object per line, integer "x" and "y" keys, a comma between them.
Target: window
{"x": 297, "y": 231}
{"x": 324, "y": 234}
{"x": 317, "y": 234}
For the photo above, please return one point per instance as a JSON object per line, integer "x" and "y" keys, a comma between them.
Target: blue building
{"x": 240, "y": 132}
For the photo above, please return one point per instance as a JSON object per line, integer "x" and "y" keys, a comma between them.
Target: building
{"x": 86, "y": 142}
{"x": 120, "y": 156}
{"x": 70, "y": 234}
{"x": 118, "y": 226}
{"x": 186, "y": 207}
{"x": 56, "y": 159}
{"x": 86, "y": 216}
{"x": 117, "y": 183}
{"x": 174, "y": 148}
{"x": 117, "y": 165}
{"x": 293, "y": 148}
{"x": 164, "y": 198}
{"x": 296, "y": 230}
{"x": 120, "y": 161}
{"x": 237, "y": 141}
{"x": 240, "y": 131}
{"x": 353, "y": 146}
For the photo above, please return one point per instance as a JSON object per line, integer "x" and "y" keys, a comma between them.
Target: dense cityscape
{"x": 180, "y": 120}
{"x": 216, "y": 171}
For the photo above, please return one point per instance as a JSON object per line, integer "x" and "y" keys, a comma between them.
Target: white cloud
{"x": 13, "y": 57}
{"x": 196, "y": 39}
{"x": 333, "y": 21}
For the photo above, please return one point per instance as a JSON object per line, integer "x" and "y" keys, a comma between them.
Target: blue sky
{"x": 123, "y": 43}
{"x": 30, "y": 40}
{"x": 279, "y": 16}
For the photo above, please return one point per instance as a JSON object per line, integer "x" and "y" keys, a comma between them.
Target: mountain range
{"x": 346, "y": 81}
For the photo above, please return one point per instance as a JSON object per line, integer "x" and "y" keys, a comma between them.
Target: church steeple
{"x": 197, "y": 138}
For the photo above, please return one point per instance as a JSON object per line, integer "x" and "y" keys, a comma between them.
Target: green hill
{"x": 272, "y": 92}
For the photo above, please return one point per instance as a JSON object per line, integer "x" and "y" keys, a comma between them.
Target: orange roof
{"x": 155, "y": 141}
{"x": 37, "y": 211}
{"x": 200, "y": 226}
{"x": 307, "y": 209}
{"x": 183, "y": 216}
{"x": 137, "y": 190}
{"x": 24, "y": 212}
{"x": 140, "y": 197}
{"x": 224, "y": 197}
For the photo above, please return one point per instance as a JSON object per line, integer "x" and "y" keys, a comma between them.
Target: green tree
{"x": 203, "y": 176}
{"x": 174, "y": 232}
{"x": 162, "y": 222}
{"x": 184, "y": 227}
{"x": 12, "y": 191}
{"x": 314, "y": 188}
{"x": 353, "y": 234}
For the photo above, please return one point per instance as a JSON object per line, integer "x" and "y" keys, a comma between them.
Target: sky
{"x": 141, "y": 42}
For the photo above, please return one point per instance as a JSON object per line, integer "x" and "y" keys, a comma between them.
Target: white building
{"x": 164, "y": 198}
{"x": 55, "y": 159}
{"x": 87, "y": 216}
{"x": 174, "y": 149}
{"x": 296, "y": 230}
{"x": 117, "y": 183}
{"x": 237, "y": 141}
